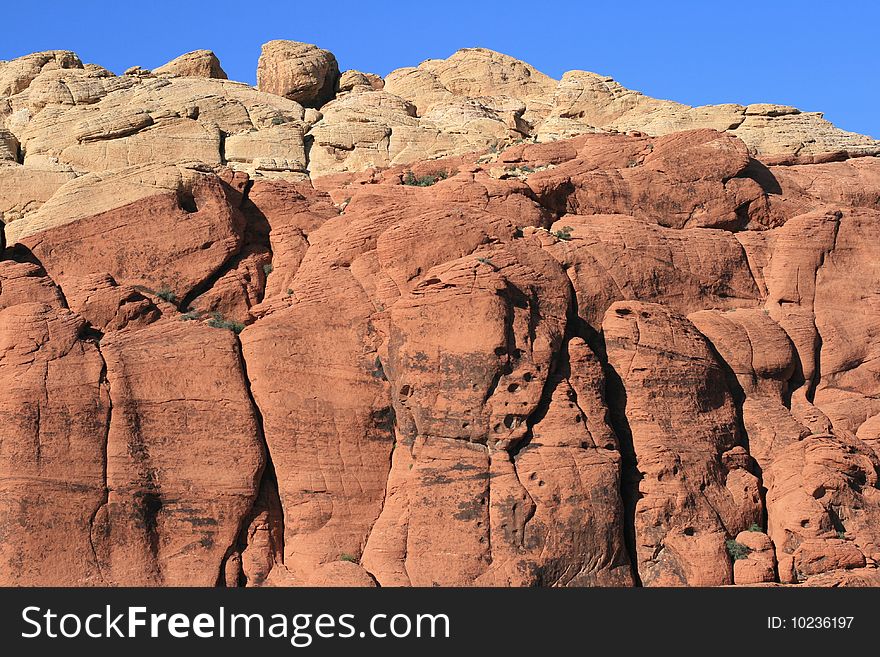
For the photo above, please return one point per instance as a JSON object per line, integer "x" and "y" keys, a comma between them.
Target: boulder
{"x": 298, "y": 71}
{"x": 198, "y": 63}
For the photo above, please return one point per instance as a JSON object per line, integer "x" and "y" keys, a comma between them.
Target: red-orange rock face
{"x": 55, "y": 409}
{"x": 605, "y": 361}
{"x": 184, "y": 455}
{"x": 169, "y": 242}
{"x": 695, "y": 482}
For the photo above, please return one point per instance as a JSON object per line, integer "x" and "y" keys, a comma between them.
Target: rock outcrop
{"x": 466, "y": 325}
{"x": 198, "y": 63}
{"x": 298, "y": 71}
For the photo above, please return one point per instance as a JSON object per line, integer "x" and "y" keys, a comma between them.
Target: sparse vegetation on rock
{"x": 426, "y": 180}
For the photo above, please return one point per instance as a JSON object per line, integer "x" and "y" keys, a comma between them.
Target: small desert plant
{"x": 268, "y": 268}
{"x": 563, "y": 233}
{"x": 424, "y": 181}
{"x": 166, "y": 294}
{"x": 190, "y": 316}
{"x": 755, "y": 527}
{"x": 348, "y": 557}
{"x": 218, "y": 321}
{"x": 841, "y": 535}
{"x": 486, "y": 261}
{"x": 737, "y": 551}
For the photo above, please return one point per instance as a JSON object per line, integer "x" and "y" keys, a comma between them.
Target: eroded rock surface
{"x": 454, "y": 327}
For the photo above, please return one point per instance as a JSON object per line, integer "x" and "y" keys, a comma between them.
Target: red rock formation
{"x": 684, "y": 180}
{"x": 612, "y": 360}
{"x": 53, "y": 418}
{"x": 169, "y": 243}
{"x": 695, "y": 486}
{"x": 183, "y": 456}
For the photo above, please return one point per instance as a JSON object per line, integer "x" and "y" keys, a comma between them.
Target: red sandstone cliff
{"x": 607, "y": 360}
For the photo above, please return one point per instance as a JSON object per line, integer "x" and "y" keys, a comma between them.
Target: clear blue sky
{"x": 819, "y": 56}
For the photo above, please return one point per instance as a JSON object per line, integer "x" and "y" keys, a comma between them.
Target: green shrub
{"x": 737, "y": 551}
{"x": 563, "y": 233}
{"x": 754, "y": 527}
{"x": 348, "y": 557}
{"x": 486, "y": 261}
{"x": 268, "y": 268}
{"x": 218, "y": 321}
{"x": 165, "y": 293}
{"x": 424, "y": 181}
{"x": 190, "y": 316}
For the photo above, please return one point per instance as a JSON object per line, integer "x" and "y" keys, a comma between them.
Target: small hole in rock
{"x": 187, "y": 201}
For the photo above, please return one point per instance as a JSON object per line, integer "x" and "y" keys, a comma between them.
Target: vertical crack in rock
{"x": 105, "y": 382}
{"x": 602, "y": 551}
{"x": 813, "y": 384}
{"x": 249, "y": 240}
{"x": 267, "y": 494}
{"x": 222, "y": 146}
{"x": 308, "y": 142}
{"x": 256, "y": 222}
{"x": 615, "y": 398}
{"x": 739, "y": 399}
{"x": 387, "y": 476}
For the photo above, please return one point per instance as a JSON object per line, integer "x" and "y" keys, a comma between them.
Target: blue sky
{"x": 819, "y": 56}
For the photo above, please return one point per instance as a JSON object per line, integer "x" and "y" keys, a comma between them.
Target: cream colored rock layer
{"x": 61, "y": 119}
